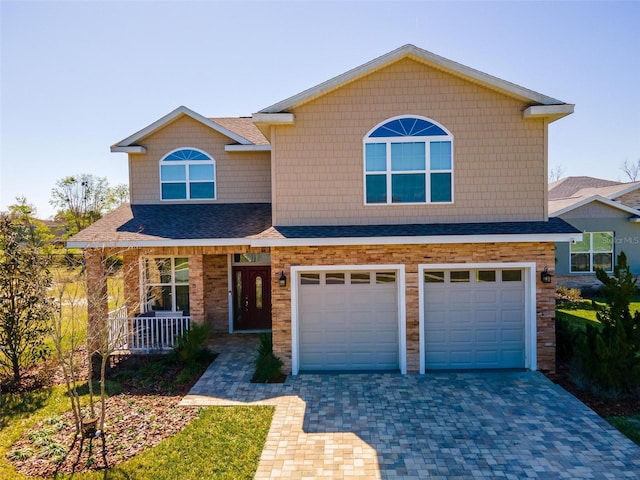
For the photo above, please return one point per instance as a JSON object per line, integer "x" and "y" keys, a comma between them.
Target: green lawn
{"x": 223, "y": 443}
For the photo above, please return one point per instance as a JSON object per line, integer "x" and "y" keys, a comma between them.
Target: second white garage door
{"x": 474, "y": 319}
{"x": 348, "y": 321}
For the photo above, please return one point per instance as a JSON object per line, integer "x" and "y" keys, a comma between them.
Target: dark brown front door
{"x": 252, "y": 298}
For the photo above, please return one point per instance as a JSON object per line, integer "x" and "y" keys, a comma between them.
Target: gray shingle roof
{"x": 179, "y": 222}
{"x": 553, "y": 226}
{"x": 171, "y": 222}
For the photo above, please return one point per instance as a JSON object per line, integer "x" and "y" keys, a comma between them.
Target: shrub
{"x": 268, "y": 366}
{"x": 190, "y": 346}
{"x": 609, "y": 355}
{"x": 567, "y": 294}
{"x": 567, "y": 336}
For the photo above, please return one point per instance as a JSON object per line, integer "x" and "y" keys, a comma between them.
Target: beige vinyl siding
{"x": 499, "y": 159}
{"x": 240, "y": 176}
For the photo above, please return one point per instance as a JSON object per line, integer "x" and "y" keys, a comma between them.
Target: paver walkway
{"x": 510, "y": 425}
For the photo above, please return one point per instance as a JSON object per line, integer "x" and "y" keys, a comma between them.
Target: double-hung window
{"x": 165, "y": 284}
{"x": 187, "y": 174}
{"x": 594, "y": 251}
{"x": 408, "y": 160}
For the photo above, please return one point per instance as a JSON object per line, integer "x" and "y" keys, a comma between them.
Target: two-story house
{"x": 391, "y": 218}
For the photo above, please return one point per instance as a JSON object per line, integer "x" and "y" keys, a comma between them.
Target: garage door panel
{"x": 348, "y": 326}
{"x": 488, "y": 332}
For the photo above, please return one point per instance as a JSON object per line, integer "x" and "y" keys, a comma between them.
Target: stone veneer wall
{"x": 412, "y": 255}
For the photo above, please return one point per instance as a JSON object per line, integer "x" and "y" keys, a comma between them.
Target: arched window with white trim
{"x": 187, "y": 174}
{"x": 408, "y": 159}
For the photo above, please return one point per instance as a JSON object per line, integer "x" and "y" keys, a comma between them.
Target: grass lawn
{"x": 629, "y": 426}
{"x": 223, "y": 442}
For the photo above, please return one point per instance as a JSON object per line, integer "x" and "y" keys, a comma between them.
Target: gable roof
{"x": 432, "y": 60}
{"x": 563, "y": 205}
{"x": 129, "y": 144}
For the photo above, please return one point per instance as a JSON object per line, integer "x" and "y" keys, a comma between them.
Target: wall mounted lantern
{"x": 283, "y": 279}
{"x": 545, "y": 276}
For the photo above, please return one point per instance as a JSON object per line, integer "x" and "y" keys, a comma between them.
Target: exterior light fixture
{"x": 283, "y": 279}
{"x": 545, "y": 276}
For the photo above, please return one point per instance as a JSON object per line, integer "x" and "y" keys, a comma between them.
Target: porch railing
{"x": 145, "y": 334}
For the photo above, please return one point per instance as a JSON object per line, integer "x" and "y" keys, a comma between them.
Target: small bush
{"x": 566, "y": 294}
{"x": 190, "y": 347}
{"x": 567, "y": 336}
{"x": 268, "y": 366}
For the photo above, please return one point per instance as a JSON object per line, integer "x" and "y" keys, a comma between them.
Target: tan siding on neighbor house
{"x": 241, "y": 176}
{"x": 499, "y": 159}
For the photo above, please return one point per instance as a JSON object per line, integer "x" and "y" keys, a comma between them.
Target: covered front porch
{"x": 167, "y": 290}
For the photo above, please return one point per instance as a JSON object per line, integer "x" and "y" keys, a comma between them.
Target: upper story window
{"x": 408, "y": 160}
{"x": 594, "y": 251}
{"x": 187, "y": 174}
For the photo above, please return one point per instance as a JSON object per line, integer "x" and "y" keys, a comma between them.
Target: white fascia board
{"x": 182, "y": 110}
{"x": 225, "y": 242}
{"x": 273, "y": 118}
{"x": 552, "y": 112}
{"x": 425, "y": 56}
{"x": 131, "y": 149}
{"x": 422, "y": 240}
{"x": 596, "y": 198}
{"x": 247, "y": 148}
{"x": 303, "y": 242}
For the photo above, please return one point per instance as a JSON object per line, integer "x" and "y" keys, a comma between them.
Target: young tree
{"x": 83, "y": 199}
{"x": 556, "y": 173}
{"x": 632, "y": 170}
{"x": 35, "y": 231}
{"x": 610, "y": 353}
{"x": 24, "y": 303}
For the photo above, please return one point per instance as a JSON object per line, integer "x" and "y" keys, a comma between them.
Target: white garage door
{"x": 474, "y": 319}
{"x": 348, "y": 321}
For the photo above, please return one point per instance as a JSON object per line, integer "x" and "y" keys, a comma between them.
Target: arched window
{"x": 408, "y": 160}
{"x": 187, "y": 174}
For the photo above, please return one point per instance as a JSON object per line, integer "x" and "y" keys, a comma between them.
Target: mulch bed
{"x": 138, "y": 418}
{"x": 603, "y": 407}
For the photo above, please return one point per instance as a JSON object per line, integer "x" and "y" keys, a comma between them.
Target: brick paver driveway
{"x": 467, "y": 425}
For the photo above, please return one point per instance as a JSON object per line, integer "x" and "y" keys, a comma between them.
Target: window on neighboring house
{"x": 594, "y": 251}
{"x": 408, "y": 160}
{"x": 165, "y": 284}
{"x": 187, "y": 174}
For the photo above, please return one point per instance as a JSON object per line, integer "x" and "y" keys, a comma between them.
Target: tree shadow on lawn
{"x": 22, "y": 403}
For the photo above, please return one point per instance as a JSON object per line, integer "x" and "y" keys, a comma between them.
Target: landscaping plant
{"x": 24, "y": 303}
{"x": 609, "y": 353}
{"x": 268, "y": 366}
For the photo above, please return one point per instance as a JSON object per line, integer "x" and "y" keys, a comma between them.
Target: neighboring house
{"x": 391, "y": 218}
{"x": 607, "y": 214}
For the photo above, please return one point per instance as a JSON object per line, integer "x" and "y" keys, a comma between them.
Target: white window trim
{"x": 402, "y": 313}
{"x": 388, "y": 172}
{"x": 591, "y": 252}
{"x": 173, "y": 284}
{"x": 187, "y": 182}
{"x": 529, "y": 277}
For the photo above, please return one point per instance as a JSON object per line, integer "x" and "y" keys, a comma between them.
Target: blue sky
{"x": 76, "y": 77}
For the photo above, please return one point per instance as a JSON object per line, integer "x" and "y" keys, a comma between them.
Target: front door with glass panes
{"x": 251, "y": 297}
